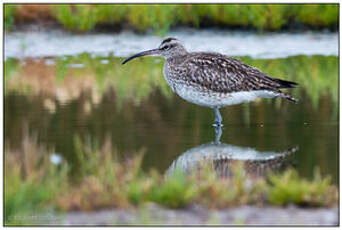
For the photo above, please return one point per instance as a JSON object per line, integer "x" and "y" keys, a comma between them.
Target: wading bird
{"x": 212, "y": 79}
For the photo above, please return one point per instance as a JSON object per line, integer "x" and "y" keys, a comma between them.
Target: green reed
{"x": 160, "y": 18}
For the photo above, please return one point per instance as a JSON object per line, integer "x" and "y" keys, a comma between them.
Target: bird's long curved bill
{"x": 144, "y": 53}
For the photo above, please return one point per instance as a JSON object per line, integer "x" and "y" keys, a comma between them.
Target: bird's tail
{"x": 288, "y": 97}
{"x": 284, "y": 83}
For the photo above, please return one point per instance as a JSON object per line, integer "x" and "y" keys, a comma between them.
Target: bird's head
{"x": 170, "y": 47}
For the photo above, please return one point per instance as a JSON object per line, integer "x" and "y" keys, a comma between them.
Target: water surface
{"x": 21, "y": 44}
{"x": 98, "y": 99}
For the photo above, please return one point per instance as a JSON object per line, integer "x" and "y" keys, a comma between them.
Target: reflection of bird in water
{"x": 212, "y": 79}
{"x": 223, "y": 157}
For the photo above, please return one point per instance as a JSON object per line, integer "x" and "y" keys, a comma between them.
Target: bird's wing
{"x": 220, "y": 73}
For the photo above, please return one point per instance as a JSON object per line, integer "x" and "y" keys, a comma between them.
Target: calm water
{"x": 57, "y": 99}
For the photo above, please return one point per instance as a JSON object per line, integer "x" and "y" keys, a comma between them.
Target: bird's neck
{"x": 177, "y": 59}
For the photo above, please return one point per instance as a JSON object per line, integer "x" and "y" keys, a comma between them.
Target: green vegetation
{"x": 10, "y": 69}
{"x": 33, "y": 184}
{"x": 290, "y": 188}
{"x": 85, "y": 18}
{"x": 176, "y": 191}
{"x": 81, "y": 17}
{"x": 317, "y": 74}
{"x": 9, "y": 11}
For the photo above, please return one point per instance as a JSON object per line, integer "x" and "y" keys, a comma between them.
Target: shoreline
{"x": 154, "y": 214}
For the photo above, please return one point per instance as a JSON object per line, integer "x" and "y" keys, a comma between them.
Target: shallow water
{"x": 132, "y": 108}
{"x": 233, "y": 43}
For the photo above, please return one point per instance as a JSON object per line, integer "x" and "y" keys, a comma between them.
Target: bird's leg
{"x": 218, "y": 117}
{"x": 218, "y": 133}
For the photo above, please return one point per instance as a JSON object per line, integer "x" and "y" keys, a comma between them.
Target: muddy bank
{"x": 194, "y": 215}
{"x": 39, "y": 42}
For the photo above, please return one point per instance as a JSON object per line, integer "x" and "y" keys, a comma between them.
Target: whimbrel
{"x": 212, "y": 79}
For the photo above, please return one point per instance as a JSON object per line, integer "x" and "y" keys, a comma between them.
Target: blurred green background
{"x": 159, "y": 18}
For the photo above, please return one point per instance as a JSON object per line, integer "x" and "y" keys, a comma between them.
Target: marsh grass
{"x": 160, "y": 18}
{"x": 31, "y": 181}
{"x": 290, "y": 188}
{"x": 174, "y": 191}
{"x": 9, "y": 11}
{"x": 34, "y": 184}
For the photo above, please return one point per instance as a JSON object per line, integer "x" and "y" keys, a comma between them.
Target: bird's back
{"x": 222, "y": 74}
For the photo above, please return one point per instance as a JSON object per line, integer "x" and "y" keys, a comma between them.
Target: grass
{"x": 160, "y": 18}
{"x": 34, "y": 185}
{"x": 85, "y": 18}
{"x": 175, "y": 191}
{"x": 290, "y": 188}
{"x": 31, "y": 182}
{"x": 9, "y": 11}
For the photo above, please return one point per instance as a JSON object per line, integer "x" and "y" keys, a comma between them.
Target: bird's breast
{"x": 173, "y": 76}
{"x": 167, "y": 76}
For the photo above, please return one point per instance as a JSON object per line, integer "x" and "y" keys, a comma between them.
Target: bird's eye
{"x": 166, "y": 47}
